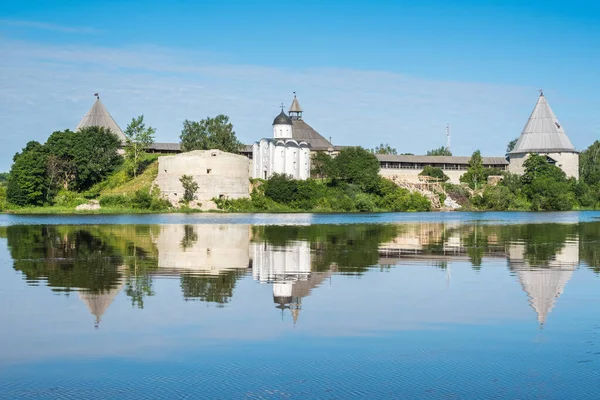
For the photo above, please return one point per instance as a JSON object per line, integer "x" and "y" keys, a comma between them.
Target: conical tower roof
{"x": 98, "y": 115}
{"x": 295, "y": 107}
{"x": 543, "y": 133}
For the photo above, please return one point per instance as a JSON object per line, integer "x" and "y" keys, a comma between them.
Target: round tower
{"x": 282, "y": 126}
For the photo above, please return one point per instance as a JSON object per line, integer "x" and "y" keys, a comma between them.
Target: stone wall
{"x": 568, "y": 162}
{"x": 218, "y": 174}
{"x": 412, "y": 175}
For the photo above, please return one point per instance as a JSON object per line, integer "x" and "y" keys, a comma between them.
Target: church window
{"x": 208, "y": 171}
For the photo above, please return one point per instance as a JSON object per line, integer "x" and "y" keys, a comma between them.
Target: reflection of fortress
{"x": 208, "y": 248}
{"x": 430, "y": 242}
{"x": 545, "y": 283}
{"x": 214, "y": 251}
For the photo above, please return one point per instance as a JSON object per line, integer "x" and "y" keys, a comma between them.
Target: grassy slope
{"x": 129, "y": 187}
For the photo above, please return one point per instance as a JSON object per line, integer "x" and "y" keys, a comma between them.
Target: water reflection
{"x": 101, "y": 261}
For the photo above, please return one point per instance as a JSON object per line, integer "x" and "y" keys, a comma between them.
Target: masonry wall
{"x": 568, "y": 162}
{"x": 218, "y": 174}
{"x": 412, "y": 175}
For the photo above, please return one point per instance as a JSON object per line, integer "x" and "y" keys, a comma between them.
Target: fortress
{"x": 294, "y": 142}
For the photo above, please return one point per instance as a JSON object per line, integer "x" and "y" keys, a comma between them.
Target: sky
{"x": 365, "y": 72}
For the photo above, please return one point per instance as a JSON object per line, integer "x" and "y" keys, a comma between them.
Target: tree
{"x": 190, "y": 187}
{"x": 3, "y": 177}
{"x": 210, "y": 133}
{"x": 139, "y": 139}
{"x": 476, "y": 174}
{"x": 94, "y": 155}
{"x": 282, "y": 188}
{"x": 384, "y": 149}
{"x": 321, "y": 165}
{"x": 546, "y": 186}
{"x": 511, "y": 145}
{"x": 434, "y": 172}
{"x": 442, "y": 151}
{"x": 357, "y": 165}
{"x": 27, "y": 183}
{"x": 589, "y": 164}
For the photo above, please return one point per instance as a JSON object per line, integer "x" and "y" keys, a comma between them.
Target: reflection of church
{"x": 288, "y": 269}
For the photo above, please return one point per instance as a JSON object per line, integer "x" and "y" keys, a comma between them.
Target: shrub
{"x": 190, "y": 187}
{"x": 2, "y": 197}
{"x": 66, "y": 198}
{"x": 434, "y": 172}
{"x": 281, "y": 188}
{"x": 141, "y": 200}
{"x": 364, "y": 202}
{"x": 114, "y": 200}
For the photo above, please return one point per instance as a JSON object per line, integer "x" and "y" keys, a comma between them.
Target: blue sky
{"x": 365, "y": 72}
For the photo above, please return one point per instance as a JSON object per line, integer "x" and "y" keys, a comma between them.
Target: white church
{"x": 282, "y": 154}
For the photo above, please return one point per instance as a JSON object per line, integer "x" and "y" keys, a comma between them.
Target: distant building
{"x": 544, "y": 135}
{"x": 282, "y": 154}
{"x": 408, "y": 167}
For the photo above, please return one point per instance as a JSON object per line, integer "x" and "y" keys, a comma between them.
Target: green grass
{"x": 121, "y": 184}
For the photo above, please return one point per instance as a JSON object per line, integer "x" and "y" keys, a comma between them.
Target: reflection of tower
{"x": 545, "y": 283}
{"x": 288, "y": 269}
{"x": 205, "y": 248}
{"x": 97, "y": 302}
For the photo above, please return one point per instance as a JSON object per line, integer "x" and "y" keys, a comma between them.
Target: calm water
{"x": 436, "y": 305}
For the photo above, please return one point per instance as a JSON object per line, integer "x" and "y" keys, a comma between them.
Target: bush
{"x": 434, "y": 172}
{"x": 114, "y": 200}
{"x": 2, "y": 197}
{"x": 364, "y": 202}
{"x": 281, "y": 188}
{"x": 190, "y": 187}
{"x": 458, "y": 193}
{"x": 66, "y": 198}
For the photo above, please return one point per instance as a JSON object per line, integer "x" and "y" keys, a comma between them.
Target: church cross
{"x": 282, "y": 106}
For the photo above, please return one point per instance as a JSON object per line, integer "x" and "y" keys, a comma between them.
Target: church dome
{"x": 282, "y": 119}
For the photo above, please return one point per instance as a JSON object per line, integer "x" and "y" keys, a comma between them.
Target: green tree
{"x": 476, "y": 174}
{"x": 358, "y": 166}
{"x": 94, "y": 155}
{"x": 210, "y": 133}
{"x": 190, "y": 187}
{"x": 441, "y": 151}
{"x": 589, "y": 164}
{"x": 384, "y": 149}
{"x": 139, "y": 139}
{"x": 434, "y": 172}
{"x": 511, "y": 145}
{"x": 321, "y": 165}
{"x": 546, "y": 186}
{"x": 3, "y": 177}
{"x": 27, "y": 184}
{"x": 281, "y": 188}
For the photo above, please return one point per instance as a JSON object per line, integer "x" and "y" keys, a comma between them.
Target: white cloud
{"x": 48, "y": 27}
{"x": 47, "y": 88}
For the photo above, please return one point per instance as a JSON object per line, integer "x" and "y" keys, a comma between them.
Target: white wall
{"x": 282, "y": 157}
{"x": 218, "y": 174}
{"x": 412, "y": 175}
{"x": 282, "y": 131}
{"x": 568, "y": 162}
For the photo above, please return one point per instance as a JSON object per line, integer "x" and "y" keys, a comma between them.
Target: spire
{"x": 98, "y": 115}
{"x": 295, "y": 109}
{"x": 543, "y": 133}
